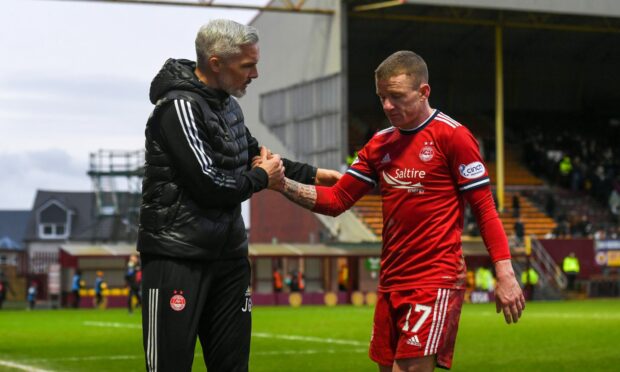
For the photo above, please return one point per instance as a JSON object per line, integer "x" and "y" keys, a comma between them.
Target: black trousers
{"x": 185, "y": 299}
{"x": 76, "y": 298}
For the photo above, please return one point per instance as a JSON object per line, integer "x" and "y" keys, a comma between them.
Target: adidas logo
{"x": 414, "y": 341}
{"x": 386, "y": 159}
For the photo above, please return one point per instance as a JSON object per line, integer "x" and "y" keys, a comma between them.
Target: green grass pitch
{"x": 552, "y": 336}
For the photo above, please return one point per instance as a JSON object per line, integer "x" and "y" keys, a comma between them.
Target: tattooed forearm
{"x": 298, "y": 193}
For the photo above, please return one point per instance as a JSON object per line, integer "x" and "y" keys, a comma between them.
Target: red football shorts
{"x": 416, "y": 323}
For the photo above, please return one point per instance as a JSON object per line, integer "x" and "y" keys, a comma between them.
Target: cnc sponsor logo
{"x": 397, "y": 183}
{"x": 177, "y": 302}
{"x": 427, "y": 152}
{"x": 472, "y": 170}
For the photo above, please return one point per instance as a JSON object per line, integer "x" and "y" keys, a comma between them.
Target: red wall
{"x": 272, "y": 215}
{"x": 584, "y": 251}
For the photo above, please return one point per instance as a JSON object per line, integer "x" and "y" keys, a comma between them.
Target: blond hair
{"x": 403, "y": 62}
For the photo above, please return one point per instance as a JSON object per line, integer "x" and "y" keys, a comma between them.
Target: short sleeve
{"x": 465, "y": 161}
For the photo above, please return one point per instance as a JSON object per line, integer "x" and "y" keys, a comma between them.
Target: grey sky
{"x": 74, "y": 78}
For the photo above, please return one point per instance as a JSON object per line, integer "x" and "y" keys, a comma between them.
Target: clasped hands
{"x": 272, "y": 164}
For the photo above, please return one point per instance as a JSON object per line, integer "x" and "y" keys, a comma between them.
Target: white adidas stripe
{"x": 189, "y": 134}
{"x": 406, "y": 326}
{"x": 445, "y": 122}
{"x": 446, "y": 117}
{"x": 438, "y": 316}
{"x": 444, "y": 308}
{"x": 151, "y": 344}
{"x": 188, "y": 124}
{"x": 433, "y": 324}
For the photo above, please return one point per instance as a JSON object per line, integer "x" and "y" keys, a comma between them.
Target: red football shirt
{"x": 421, "y": 174}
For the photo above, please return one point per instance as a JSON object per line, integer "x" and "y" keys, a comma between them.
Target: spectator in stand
{"x": 131, "y": 280}
{"x": 550, "y": 205}
{"x": 494, "y": 195}
{"x": 577, "y": 175}
{"x": 343, "y": 278}
{"x": 277, "y": 280}
{"x": 583, "y": 228}
{"x": 484, "y": 279}
{"x": 76, "y": 285}
{"x": 516, "y": 205}
{"x": 294, "y": 281}
{"x": 570, "y": 266}
{"x": 32, "y": 295}
{"x": 614, "y": 201}
{"x": 565, "y": 167}
{"x": 529, "y": 279}
{"x": 519, "y": 232}
{"x": 100, "y": 285}
{"x": 563, "y": 228}
{"x": 5, "y": 287}
{"x": 598, "y": 184}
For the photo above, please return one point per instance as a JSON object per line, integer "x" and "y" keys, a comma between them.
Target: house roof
{"x": 12, "y": 228}
{"x": 86, "y": 223}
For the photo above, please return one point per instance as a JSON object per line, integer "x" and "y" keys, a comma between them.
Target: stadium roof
{"x": 581, "y": 7}
{"x": 305, "y": 250}
{"x": 80, "y": 250}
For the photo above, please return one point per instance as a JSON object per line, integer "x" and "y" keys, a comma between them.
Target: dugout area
{"x": 558, "y": 69}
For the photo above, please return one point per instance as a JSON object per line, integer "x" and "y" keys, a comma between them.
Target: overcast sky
{"x": 74, "y": 78}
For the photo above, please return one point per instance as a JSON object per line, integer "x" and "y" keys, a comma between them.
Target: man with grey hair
{"x": 201, "y": 163}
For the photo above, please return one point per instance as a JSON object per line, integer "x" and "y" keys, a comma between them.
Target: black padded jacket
{"x": 197, "y": 171}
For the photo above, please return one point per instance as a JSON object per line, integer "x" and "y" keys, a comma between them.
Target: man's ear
{"x": 215, "y": 63}
{"x": 425, "y": 90}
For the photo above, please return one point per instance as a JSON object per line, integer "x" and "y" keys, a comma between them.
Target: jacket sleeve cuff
{"x": 258, "y": 178}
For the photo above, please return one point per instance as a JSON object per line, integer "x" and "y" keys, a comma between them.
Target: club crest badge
{"x": 426, "y": 153}
{"x": 177, "y": 302}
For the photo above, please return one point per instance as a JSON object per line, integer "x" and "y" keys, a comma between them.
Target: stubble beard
{"x": 233, "y": 91}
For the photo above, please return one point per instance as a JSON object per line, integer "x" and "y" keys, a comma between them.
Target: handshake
{"x": 272, "y": 164}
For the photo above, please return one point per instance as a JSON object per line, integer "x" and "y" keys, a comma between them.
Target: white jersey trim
{"x": 447, "y": 122}
{"x": 473, "y": 185}
{"x": 359, "y": 175}
{"x": 386, "y": 130}
{"x": 422, "y": 124}
{"x": 449, "y": 119}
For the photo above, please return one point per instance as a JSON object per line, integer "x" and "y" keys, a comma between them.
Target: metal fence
{"x": 308, "y": 119}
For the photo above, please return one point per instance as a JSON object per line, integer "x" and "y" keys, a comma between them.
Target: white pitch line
{"x": 254, "y": 334}
{"x": 127, "y": 357}
{"x": 307, "y": 352}
{"x": 112, "y": 325}
{"x": 22, "y": 367}
{"x": 310, "y": 339}
{"x": 94, "y": 357}
{"x": 593, "y": 316}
